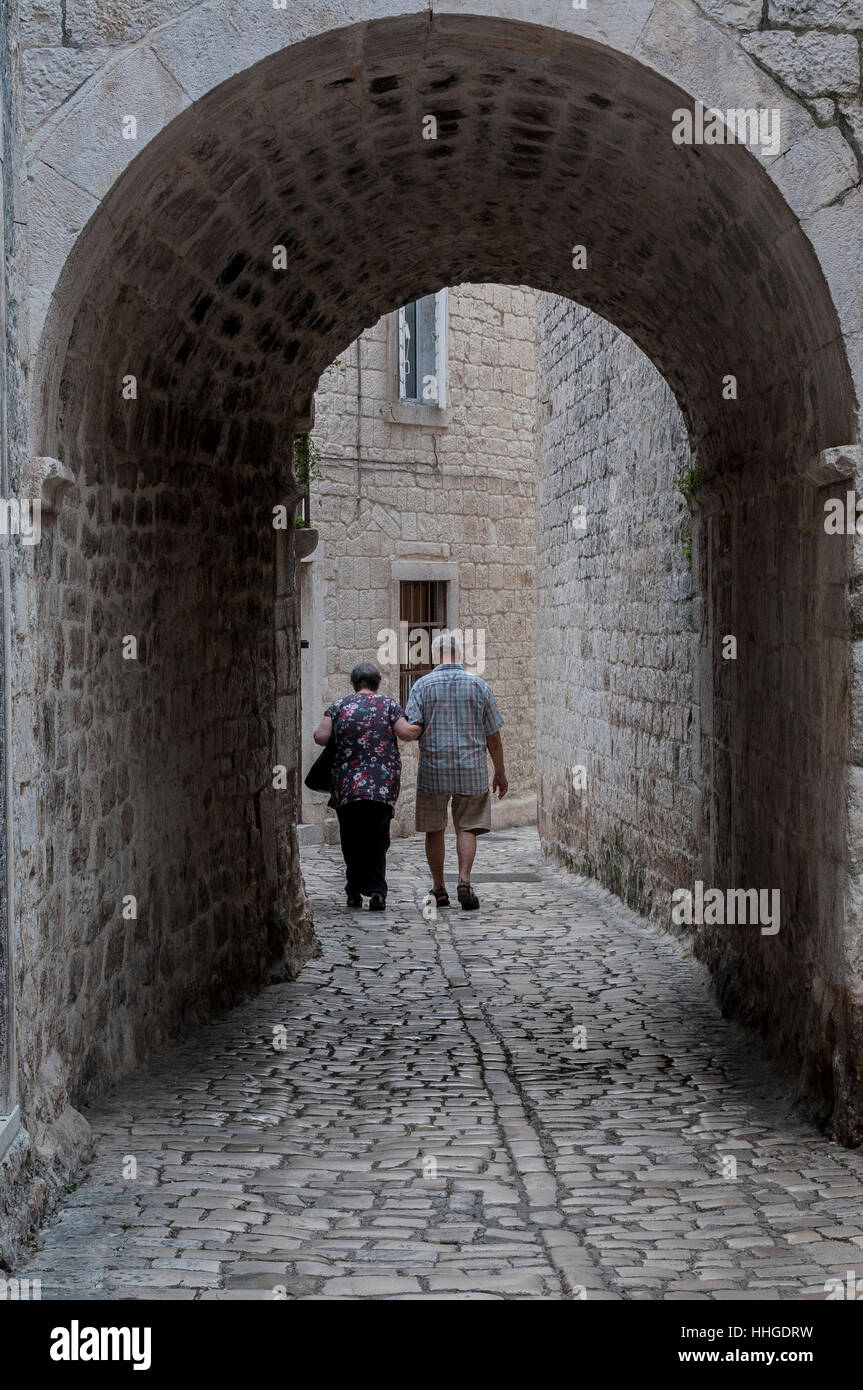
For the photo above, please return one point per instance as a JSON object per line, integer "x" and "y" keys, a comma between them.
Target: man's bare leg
{"x": 435, "y": 846}
{"x": 466, "y": 845}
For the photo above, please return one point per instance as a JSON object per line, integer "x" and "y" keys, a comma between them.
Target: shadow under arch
{"x": 544, "y": 142}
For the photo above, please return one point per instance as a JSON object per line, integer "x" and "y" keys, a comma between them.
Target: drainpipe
{"x": 359, "y": 421}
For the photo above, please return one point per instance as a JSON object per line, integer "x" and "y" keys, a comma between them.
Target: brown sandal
{"x": 441, "y": 896}
{"x": 467, "y": 897}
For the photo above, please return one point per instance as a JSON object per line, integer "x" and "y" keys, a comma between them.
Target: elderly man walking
{"x": 460, "y": 722}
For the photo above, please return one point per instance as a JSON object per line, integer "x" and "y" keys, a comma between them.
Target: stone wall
{"x": 460, "y": 493}
{"x": 616, "y": 632}
{"x": 776, "y": 744}
{"x": 159, "y": 769}
{"x": 152, "y": 778}
{"x": 9, "y": 395}
{"x": 702, "y": 759}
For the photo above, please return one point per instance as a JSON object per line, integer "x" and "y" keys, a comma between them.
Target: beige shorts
{"x": 468, "y": 812}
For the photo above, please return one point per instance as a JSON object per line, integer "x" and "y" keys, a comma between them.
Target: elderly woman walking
{"x": 366, "y": 779}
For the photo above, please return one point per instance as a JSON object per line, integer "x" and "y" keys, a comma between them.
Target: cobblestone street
{"x": 429, "y": 1130}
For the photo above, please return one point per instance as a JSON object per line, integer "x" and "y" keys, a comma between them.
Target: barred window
{"x": 422, "y": 613}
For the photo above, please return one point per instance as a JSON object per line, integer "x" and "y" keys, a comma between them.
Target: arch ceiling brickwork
{"x": 525, "y": 116}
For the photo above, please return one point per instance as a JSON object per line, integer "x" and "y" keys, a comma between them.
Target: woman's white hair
{"x": 448, "y": 643}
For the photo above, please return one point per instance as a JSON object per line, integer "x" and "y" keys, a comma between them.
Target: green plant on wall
{"x": 688, "y": 484}
{"x": 307, "y": 460}
{"x": 690, "y": 481}
{"x": 307, "y": 468}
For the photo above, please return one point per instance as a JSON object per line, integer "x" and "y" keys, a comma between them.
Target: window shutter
{"x": 404, "y": 334}
{"x": 440, "y": 323}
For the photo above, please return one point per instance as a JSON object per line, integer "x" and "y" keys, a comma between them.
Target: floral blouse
{"x": 368, "y": 764}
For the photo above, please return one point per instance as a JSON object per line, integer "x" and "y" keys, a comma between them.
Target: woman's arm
{"x": 408, "y": 733}
{"x": 324, "y": 730}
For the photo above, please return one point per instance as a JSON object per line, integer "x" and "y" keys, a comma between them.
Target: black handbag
{"x": 319, "y": 777}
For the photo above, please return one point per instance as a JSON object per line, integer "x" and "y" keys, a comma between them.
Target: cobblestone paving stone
{"x": 430, "y": 1131}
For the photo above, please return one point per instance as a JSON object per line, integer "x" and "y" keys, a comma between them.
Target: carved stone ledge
{"x": 51, "y": 480}
{"x": 841, "y": 464}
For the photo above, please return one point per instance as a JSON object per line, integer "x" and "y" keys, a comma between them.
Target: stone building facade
{"x": 411, "y": 495}
{"x": 154, "y": 156}
{"x": 648, "y": 778}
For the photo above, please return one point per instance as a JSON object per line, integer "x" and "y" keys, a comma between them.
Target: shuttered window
{"x": 422, "y": 350}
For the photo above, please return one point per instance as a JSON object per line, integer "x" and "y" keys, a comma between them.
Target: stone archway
{"x": 163, "y": 766}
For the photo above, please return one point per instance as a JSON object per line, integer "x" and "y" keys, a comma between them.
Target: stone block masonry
{"x": 459, "y": 495}
{"x": 616, "y": 628}
{"x": 161, "y": 788}
{"x": 681, "y": 757}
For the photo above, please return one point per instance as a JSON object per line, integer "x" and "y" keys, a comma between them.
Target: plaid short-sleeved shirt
{"x": 457, "y": 712}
